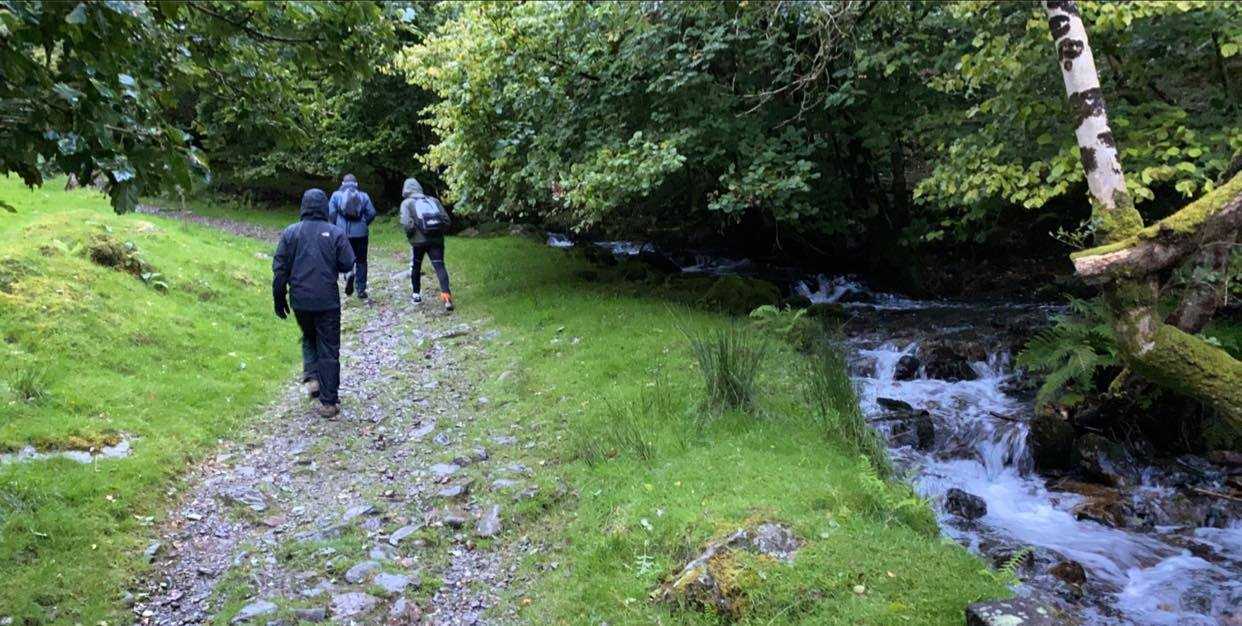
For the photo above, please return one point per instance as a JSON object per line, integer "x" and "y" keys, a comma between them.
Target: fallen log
{"x": 1215, "y": 216}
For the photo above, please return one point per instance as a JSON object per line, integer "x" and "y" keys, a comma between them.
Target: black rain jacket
{"x": 310, "y": 255}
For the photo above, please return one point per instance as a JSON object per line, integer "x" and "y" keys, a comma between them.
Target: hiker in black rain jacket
{"x": 310, "y": 256}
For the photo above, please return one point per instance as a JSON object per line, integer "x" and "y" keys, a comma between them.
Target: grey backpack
{"x": 429, "y": 216}
{"x": 351, "y": 208}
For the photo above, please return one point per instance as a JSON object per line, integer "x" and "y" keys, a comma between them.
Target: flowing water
{"x": 1133, "y": 576}
{"x": 1151, "y": 574}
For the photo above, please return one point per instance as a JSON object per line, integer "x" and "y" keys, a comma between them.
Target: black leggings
{"x": 436, "y": 252}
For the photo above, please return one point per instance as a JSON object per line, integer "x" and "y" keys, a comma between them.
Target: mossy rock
{"x": 721, "y": 577}
{"x": 109, "y": 251}
{"x": 739, "y": 295}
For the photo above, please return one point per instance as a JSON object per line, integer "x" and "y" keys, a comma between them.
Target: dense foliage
{"x": 821, "y": 118}
{"x": 858, "y": 119}
{"x": 136, "y": 92}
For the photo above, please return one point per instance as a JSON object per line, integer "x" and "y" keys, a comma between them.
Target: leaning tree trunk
{"x": 1129, "y": 257}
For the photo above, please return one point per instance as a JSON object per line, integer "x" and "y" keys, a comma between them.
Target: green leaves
{"x": 112, "y": 87}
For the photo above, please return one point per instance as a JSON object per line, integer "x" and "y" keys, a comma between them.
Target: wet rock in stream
{"x": 1070, "y": 572}
{"x": 907, "y": 368}
{"x": 965, "y": 505}
{"x": 949, "y": 363}
{"x": 1051, "y": 441}
{"x": 1105, "y": 460}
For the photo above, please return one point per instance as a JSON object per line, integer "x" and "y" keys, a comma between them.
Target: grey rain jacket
{"x": 409, "y": 221}
{"x": 336, "y": 205}
{"x": 310, "y": 255}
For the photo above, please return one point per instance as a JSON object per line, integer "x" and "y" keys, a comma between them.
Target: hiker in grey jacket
{"x": 309, "y": 256}
{"x": 351, "y": 209}
{"x": 422, "y": 243}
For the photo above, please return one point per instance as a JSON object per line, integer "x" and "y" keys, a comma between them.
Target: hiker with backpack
{"x": 425, "y": 222}
{"x": 309, "y": 257}
{"x": 350, "y": 208}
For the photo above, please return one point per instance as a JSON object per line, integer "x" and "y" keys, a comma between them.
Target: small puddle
{"x": 119, "y": 451}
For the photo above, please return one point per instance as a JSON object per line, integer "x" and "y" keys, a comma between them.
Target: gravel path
{"x": 370, "y": 519}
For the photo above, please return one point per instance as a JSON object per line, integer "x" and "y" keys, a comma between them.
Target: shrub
{"x": 1071, "y": 352}
{"x": 835, "y": 406}
{"x": 729, "y": 358}
{"x": 794, "y": 326}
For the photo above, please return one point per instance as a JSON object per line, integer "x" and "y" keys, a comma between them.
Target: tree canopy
{"x": 846, "y": 120}
{"x": 828, "y": 117}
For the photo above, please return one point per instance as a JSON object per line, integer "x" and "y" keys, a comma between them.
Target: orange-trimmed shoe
{"x": 447, "y": 299}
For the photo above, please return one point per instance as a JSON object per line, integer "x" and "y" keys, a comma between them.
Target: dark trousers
{"x": 359, "y": 244}
{"x": 436, "y": 252}
{"x": 321, "y": 350}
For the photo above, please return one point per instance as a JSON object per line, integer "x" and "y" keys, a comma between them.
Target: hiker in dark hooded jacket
{"x": 350, "y": 208}
{"x": 310, "y": 256}
{"x": 425, "y": 240}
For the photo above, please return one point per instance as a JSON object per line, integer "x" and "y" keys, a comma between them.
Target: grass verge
{"x": 172, "y": 347}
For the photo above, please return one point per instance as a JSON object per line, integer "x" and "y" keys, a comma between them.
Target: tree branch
{"x": 244, "y": 26}
{"x": 1215, "y": 216}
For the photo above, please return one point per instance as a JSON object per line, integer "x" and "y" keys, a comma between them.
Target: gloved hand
{"x": 282, "y": 307}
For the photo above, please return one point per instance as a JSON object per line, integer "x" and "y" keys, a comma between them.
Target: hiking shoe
{"x": 362, "y": 295}
{"x": 329, "y": 411}
{"x": 447, "y": 299}
{"x": 312, "y": 389}
{"x": 349, "y": 284}
{"x": 417, "y": 298}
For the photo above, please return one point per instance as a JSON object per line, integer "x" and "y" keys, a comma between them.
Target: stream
{"x": 968, "y": 455}
{"x": 1152, "y": 573}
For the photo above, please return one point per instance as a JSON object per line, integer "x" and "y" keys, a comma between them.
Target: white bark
{"x": 1082, "y": 85}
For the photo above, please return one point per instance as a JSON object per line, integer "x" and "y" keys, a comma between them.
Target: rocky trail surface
{"x": 385, "y": 515}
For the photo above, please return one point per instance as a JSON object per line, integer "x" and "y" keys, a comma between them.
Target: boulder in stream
{"x": 1099, "y": 504}
{"x": 1104, "y": 460}
{"x": 1051, "y": 442}
{"x": 907, "y": 368}
{"x": 1069, "y": 571}
{"x": 948, "y": 362}
{"x": 965, "y": 505}
{"x": 892, "y": 404}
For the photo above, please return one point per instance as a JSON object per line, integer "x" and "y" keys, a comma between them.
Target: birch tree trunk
{"x": 1129, "y": 256}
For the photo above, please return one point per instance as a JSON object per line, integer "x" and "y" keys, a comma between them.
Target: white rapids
{"x": 1144, "y": 579}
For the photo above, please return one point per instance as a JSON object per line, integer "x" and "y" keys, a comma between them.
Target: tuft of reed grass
{"x": 28, "y": 383}
{"x": 625, "y": 429}
{"x": 730, "y": 358}
{"x": 835, "y": 406}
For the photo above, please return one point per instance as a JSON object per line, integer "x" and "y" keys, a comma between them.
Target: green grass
{"x": 94, "y": 354}
{"x": 636, "y": 470}
{"x": 604, "y": 380}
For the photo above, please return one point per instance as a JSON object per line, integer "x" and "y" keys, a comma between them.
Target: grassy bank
{"x": 170, "y": 360}
{"x": 602, "y": 380}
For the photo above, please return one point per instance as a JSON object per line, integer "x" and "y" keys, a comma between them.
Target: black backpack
{"x": 429, "y": 216}
{"x": 351, "y": 207}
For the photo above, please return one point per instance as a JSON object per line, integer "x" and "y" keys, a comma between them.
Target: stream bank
{"x": 1111, "y": 539}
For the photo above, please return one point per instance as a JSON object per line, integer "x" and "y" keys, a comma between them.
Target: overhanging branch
{"x": 1215, "y": 216}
